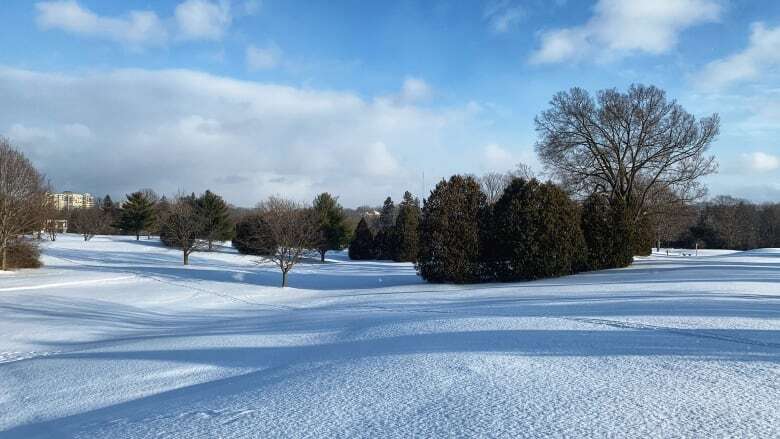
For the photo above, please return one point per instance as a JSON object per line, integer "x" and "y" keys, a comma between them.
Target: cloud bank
{"x": 116, "y": 131}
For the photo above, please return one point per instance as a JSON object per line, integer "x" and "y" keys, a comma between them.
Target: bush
{"x": 450, "y": 232}
{"x": 253, "y": 236}
{"x": 607, "y": 229}
{"x": 537, "y": 232}
{"x": 23, "y": 253}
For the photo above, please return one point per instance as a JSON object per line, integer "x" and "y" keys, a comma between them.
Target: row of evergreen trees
{"x": 533, "y": 230}
{"x": 395, "y": 235}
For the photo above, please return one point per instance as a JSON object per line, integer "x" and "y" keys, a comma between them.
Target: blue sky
{"x": 252, "y": 98}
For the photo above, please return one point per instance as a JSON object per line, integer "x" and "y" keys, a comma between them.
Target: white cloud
{"x": 115, "y": 131}
{"x": 497, "y": 158}
{"x": 202, "y": 19}
{"x": 263, "y": 58}
{"x": 762, "y": 54}
{"x": 192, "y": 20}
{"x": 620, "y": 28}
{"x": 503, "y": 15}
{"x": 136, "y": 29}
{"x": 415, "y": 90}
{"x": 761, "y": 161}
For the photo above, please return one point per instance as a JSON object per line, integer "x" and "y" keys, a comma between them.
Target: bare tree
{"x": 182, "y": 226}
{"x": 23, "y": 197}
{"x": 627, "y": 145}
{"x": 293, "y": 229}
{"x": 493, "y": 185}
{"x": 88, "y": 222}
{"x": 522, "y": 170}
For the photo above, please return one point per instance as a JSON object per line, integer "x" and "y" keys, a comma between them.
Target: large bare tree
{"x": 629, "y": 145}
{"x": 293, "y": 228}
{"x": 23, "y": 197}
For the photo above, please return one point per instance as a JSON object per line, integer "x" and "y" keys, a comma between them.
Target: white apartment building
{"x": 69, "y": 200}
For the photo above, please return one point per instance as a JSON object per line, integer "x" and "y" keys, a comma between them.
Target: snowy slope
{"x": 114, "y": 338}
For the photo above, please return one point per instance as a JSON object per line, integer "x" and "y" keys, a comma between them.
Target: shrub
{"x": 537, "y": 232}
{"x": 253, "y": 236}
{"x": 23, "y": 253}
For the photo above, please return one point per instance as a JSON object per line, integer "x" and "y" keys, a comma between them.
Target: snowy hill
{"x": 115, "y": 338}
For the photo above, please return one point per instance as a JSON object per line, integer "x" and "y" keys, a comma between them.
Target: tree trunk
{"x": 210, "y": 244}
{"x": 186, "y": 257}
{"x": 284, "y": 279}
{"x": 5, "y": 257}
{"x": 322, "y": 255}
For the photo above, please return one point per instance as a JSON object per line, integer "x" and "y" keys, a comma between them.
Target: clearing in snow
{"x": 115, "y": 338}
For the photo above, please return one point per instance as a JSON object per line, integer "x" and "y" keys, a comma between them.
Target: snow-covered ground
{"x": 114, "y": 338}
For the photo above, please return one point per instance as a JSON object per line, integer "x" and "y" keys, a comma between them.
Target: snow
{"x": 114, "y": 338}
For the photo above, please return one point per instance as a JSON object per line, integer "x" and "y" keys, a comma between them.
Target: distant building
{"x": 69, "y": 200}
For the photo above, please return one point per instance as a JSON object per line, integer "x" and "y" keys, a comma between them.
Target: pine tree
{"x": 450, "y": 232}
{"x": 331, "y": 223}
{"x": 407, "y": 229}
{"x": 537, "y": 231}
{"x": 362, "y": 246}
{"x": 136, "y": 215}
{"x": 385, "y": 237}
{"x": 215, "y": 218}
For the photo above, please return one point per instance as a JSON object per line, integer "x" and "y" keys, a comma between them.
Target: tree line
{"x": 723, "y": 222}
{"x": 623, "y": 173}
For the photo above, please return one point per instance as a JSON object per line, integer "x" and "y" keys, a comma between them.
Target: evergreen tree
{"x": 450, "y": 232}
{"x": 362, "y": 245}
{"x": 331, "y": 223}
{"x": 385, "y": 237}
{"x": 407, "y": 229}
{"x": 253, "y": 236}
{"x": 111, "y": 212}
{"x": 107, "y": 203}
{"x": 537, "y": 231}
{"x": 136, "y": 215}
{"x": 607, "y": 231}
{"x": 215, "y": 218}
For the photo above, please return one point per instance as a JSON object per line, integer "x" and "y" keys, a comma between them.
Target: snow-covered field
{"x": 114, "y": 338}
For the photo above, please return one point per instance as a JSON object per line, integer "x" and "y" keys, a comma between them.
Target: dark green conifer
{"x": 331, "y": 223}
{"x": 386, "y": 240}
{"x": 537, "y": 230}
{"x": 450, "y": 232}
{"x": 362, "y": 246}
{"x": 215, "y": 218}
{"x": 137, "y": 214}
{"x": 407, "y": 229}
{"x": 253, "y": 236}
